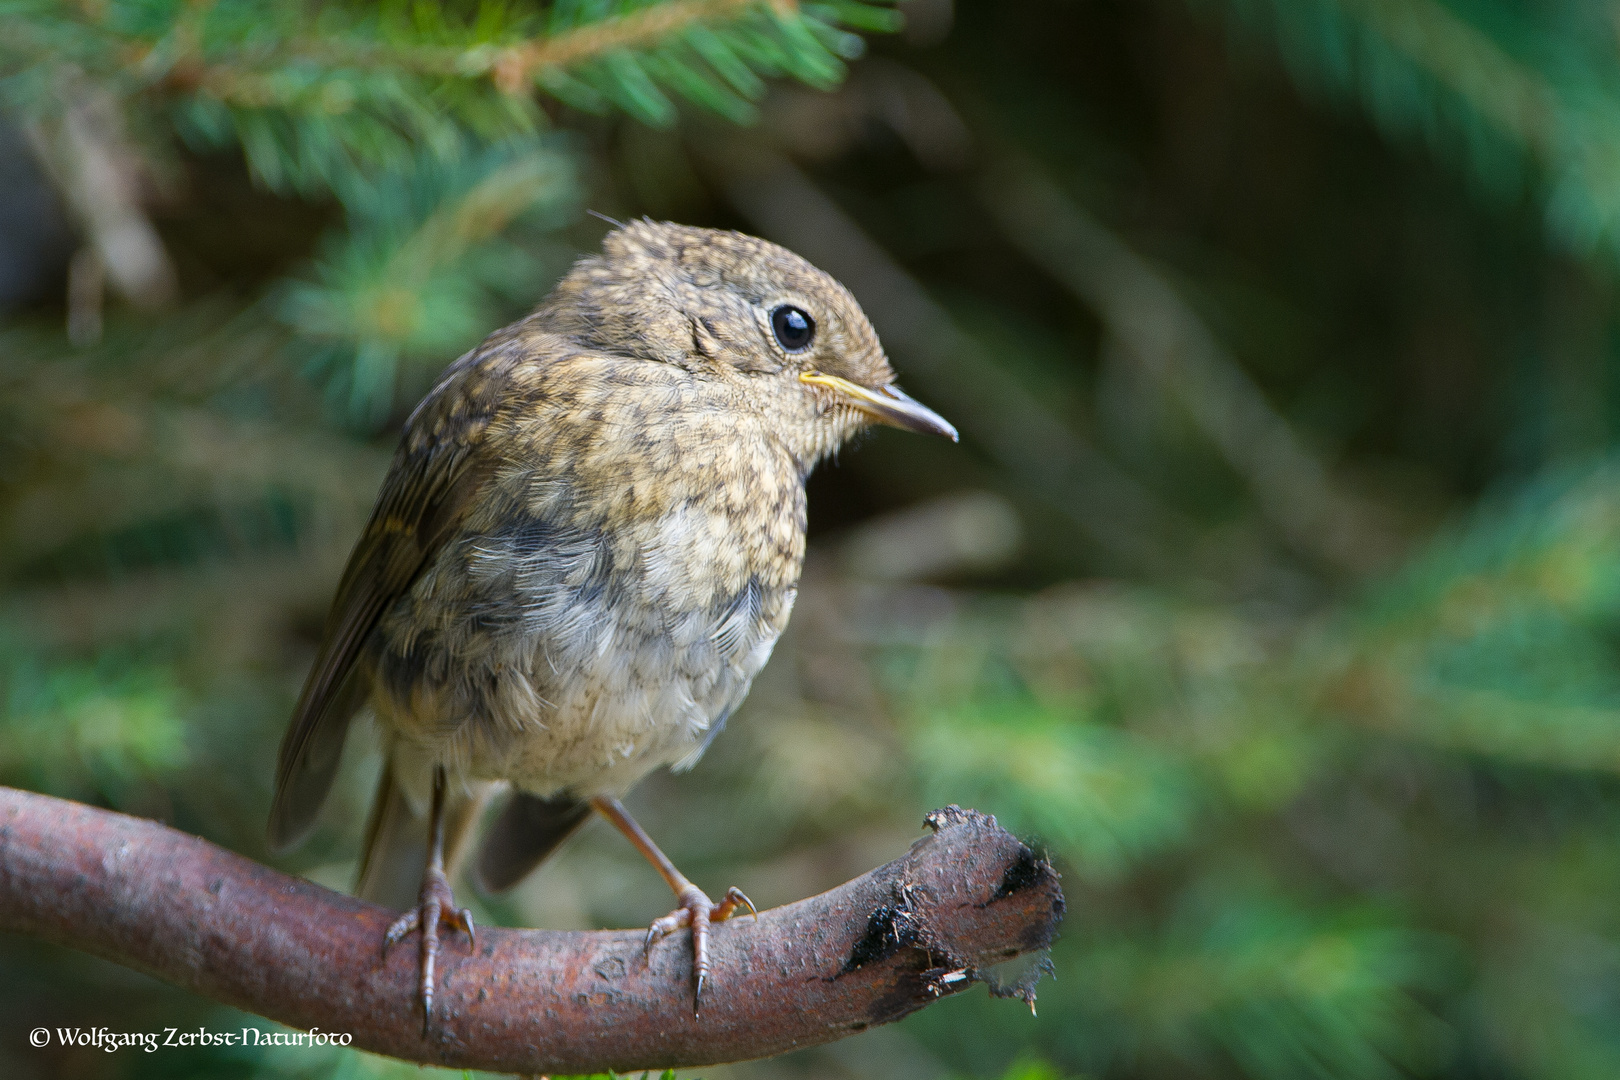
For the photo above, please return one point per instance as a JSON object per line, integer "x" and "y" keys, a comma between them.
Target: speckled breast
{"x": 548, "y": 648}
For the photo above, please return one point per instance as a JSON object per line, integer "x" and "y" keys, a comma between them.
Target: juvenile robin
{"x": 588, "y": 542}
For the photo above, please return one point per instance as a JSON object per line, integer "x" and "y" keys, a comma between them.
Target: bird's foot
{"x": 698, "y": 912}
{"x": 437, "y": 904}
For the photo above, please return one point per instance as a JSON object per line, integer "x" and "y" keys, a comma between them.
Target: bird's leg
{"x": 696, "y": 910}
{"x": 436, "y": 903}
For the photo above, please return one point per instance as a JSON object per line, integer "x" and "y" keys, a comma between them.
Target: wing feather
{"x": 441, "y": 464}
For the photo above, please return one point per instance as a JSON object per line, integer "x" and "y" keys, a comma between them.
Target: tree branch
{"x": 511, "y": 66}
{"x": 868, "y": 952}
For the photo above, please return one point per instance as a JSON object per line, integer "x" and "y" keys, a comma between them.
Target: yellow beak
{"x": 886, "y": 404}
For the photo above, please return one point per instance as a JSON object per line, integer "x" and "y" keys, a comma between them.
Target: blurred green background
{"x": 1274, "y": 587}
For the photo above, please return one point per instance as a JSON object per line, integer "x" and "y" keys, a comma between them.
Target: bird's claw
{"x": 699, "y": 912}
{"x": 437, "y": 905}
{"x": 735, "y": 898}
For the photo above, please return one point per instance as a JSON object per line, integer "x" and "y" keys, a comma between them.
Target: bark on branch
{"x": 868, "y": 952}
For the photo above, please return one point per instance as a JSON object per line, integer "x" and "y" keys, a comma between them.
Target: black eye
{"x": 794, "y": 329}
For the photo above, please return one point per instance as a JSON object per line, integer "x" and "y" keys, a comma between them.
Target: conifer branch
{"x": 513, "y": 67}
{"x": 1421, "y": 67}
{"x": 1465, "y": 59}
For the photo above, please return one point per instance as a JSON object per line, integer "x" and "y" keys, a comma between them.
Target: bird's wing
{"x": 439, "y": 467}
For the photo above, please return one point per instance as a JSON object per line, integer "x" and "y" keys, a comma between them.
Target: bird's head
{"x": 744, "y": 309}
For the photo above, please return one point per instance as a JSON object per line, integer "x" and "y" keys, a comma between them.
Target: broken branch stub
{"x": 872, "y": 950}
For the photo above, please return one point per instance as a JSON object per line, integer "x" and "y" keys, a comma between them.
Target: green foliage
{"x": 1092, "y": 793}
{"x": 427, "y": 261}
{"x": 313, "y": 97}
{"x": 1501, "y": 643}
{"x": 87, "y": 729}
{"x": 1487, "y": 662}
{"x": 1520, "y": 95}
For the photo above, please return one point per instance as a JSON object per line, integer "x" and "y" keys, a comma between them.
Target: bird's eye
{"x": 793, "y": 328}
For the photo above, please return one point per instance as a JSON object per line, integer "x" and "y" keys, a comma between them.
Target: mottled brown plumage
{"x": 588, "y": 542}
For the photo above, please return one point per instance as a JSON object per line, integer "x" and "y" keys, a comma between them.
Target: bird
{"x": 587, "y": 543}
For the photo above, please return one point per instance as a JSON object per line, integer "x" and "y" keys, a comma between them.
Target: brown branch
{"x": 870, "y": 951}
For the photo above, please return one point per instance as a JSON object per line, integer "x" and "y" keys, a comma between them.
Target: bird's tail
{"x": 528, "y": 829}
{"x": 396, "y": 845}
